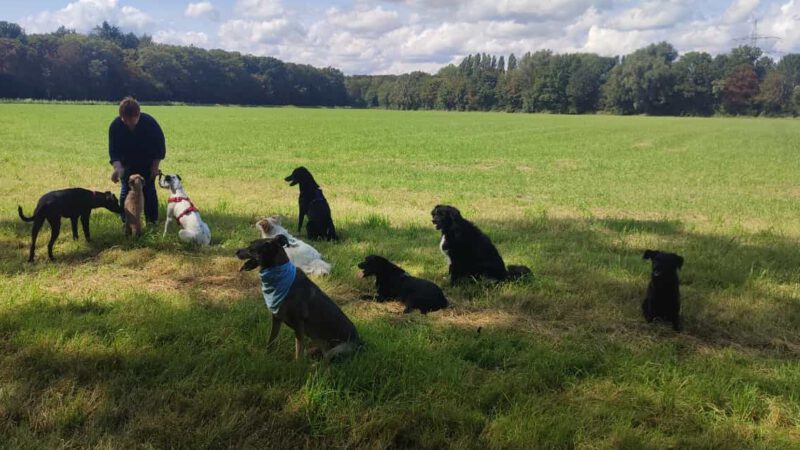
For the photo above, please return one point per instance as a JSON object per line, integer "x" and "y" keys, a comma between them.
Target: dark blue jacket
{"x": 138, "y": 149}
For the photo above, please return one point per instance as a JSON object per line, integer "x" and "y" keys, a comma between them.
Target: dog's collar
{"x": 276, "y": 283}
{"x": 186, "y": 211}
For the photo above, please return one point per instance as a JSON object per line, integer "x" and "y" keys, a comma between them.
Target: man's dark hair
{"x": 129, "y": 107}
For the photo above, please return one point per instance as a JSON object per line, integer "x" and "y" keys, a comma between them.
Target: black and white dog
{"x": 313, "y": 204}
{"x": 394, "y": 283}
{"x": 663, "y": 299}
{"x": 183, "y": 211}
{"x": 469, "y": 252}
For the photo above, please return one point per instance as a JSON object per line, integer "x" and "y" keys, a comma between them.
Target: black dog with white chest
{"x": 663, "y": 299}
{"x": 313, "y": 204}
{"x": 73, "y": 203}
{"x": 394, "y": 283}
{"x": 296, "y": 301}
{"x": 469, "y": 251}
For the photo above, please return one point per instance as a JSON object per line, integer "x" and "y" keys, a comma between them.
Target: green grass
{"x": 122, "y": 344}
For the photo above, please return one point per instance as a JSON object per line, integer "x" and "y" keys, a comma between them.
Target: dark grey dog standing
{"x": 313, "y": 204}
{"x": 663, "y": 299}
{"x": 306, "y": 309}
{"x": 72, "y": 203}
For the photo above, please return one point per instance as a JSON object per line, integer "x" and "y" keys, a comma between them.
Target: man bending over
{"x": 136, "y": 146}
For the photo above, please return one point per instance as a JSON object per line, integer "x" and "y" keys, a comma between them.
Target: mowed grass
{"x": 122, "y": 344}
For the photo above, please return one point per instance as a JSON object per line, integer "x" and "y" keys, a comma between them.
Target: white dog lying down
{"x": 304, "y": 256}
{"x": 183, "y": 211}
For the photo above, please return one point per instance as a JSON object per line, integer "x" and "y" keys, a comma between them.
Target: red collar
{"x": 178, "y": 200}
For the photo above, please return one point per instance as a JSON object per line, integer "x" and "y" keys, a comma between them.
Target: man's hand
{"x": 115, "y": 176}
{"x": 154, "y": 170}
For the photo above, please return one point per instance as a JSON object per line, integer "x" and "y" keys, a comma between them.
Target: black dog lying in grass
{"x": 663, "y": 299}
{"x": 296, "y": 301}
{"x": 72, "y": 203}
{"x": 313, "y": 204}
{"x": 394, "y": 283}
{"x": 470, "y": 253}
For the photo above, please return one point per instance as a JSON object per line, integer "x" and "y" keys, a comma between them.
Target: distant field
{"x": 124, "y": 344}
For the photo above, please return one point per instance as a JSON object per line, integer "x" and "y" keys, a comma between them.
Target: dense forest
{"x": 108, "y": 64}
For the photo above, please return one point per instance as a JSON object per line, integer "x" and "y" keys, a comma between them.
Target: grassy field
{"x": 122, "y": 344}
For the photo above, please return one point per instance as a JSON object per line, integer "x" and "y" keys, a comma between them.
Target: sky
{"x": 400, "y": 36}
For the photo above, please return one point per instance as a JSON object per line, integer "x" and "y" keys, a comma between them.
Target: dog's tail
{"x": 22, "y": 216}
{"x": 518, "y": 272}
{"x": 332, "y": 233}
{"x": 319, "y": 267}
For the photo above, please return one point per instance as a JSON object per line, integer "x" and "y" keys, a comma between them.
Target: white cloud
{"x": 259, "y": 8}
{"x": 83, "y": 15}
{"x": 740, "y": 10}
{"x": 783, "y": 22}
{"x": 131, "y": 17}
{"x": 260, "y": 37}
{"x": 653, "y": 14}
{"x": 377, "y": 20}
{"x": 196, "y": 38}
{"x": 202, "y": 9}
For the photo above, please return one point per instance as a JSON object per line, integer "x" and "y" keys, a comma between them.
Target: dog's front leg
{"x": 166, "y": 225}
{"x": 298, "y": 340}
{"x": 170, "y": 213}
{"x": 273, "y": 334}
{"x": 300, "y": 221}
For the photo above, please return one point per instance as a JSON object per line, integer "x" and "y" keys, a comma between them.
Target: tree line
{"x": 108, "y": 64}
{"x": 652, "y": 80}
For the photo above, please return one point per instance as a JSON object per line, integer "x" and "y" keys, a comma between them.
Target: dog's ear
{"x": 179, "y": 177}
{"x": 281, "y": 240}
{"x": 453, "y": 212}
{"x": 649, "y": 254}
{"x": 250, "y": 264}
{"x": 680, "y": 261}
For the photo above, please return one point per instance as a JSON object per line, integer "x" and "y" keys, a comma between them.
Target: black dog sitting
{"x": 296, "y": 301}
{"x": 663, "y": 299}
{"x": 313, "y": 204}
{"x": 470, "y": 253}
{"x": 72, "y": 203}
{"x": 395, "y": 283}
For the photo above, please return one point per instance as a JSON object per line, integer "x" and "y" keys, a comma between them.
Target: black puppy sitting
{"x": 313, "y": 204}
{"x": 470, "y": 253}
{"x": 72, "y": 203}
{"x": 296, "y": 301}
{"x": 663, "y": 295}
{"x": 395, "y": 283}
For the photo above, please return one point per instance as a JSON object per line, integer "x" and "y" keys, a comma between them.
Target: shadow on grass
{"x": 147, "y": 371}
{"x": 588, "y": 272}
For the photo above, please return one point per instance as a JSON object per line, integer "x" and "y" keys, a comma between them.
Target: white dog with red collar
{"x": 183, "y": 211}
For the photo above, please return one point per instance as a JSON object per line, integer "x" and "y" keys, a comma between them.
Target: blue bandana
{"x": 275, "y": 284}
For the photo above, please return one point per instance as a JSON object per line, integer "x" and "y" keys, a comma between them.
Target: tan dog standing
{"x": 134, "y": 205}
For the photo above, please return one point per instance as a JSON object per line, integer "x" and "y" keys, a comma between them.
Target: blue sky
{"x": 395, "y": 36}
